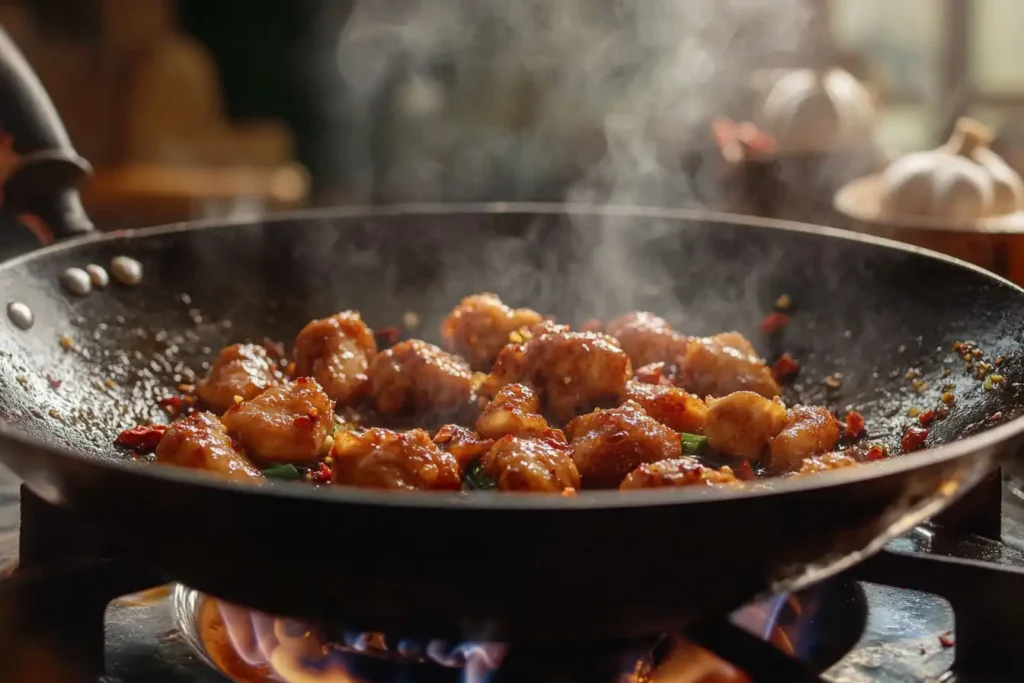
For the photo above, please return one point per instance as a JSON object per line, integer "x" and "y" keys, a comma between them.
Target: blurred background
{"x": 194, "y": 108}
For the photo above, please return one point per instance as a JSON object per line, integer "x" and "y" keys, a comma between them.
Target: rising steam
{"x": 606, "y": 100}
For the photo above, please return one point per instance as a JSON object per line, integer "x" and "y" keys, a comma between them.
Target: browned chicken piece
{"x": 720, "y": 365}
{"x": 383, "y": 459}
{"x": 288, "y": 423}
{"x": 414, "y": 376}
{"x": 743, "y": 423}
{"x": 200, "y": 442}
{"x": 809, "y": 431}
{"x": 514, "y": 410}
{"x": 570, "y": 371}
{"x": 671, "y": 406}
{"x": 478, "y": 328}
{"x": 535, "y": 463}
{"x": 239, "y": 370}
{"x": 647, "y": 338}
{"x": 824, "y": 463}
{"x": 684, "y": 471}
{"x": 609, "y": 444}
{"x": 463, "y": 443}
{"x": 336, "y": 352}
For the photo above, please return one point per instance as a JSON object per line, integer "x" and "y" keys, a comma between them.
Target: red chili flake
{"x": 652, "y": 373}
{"x": 322, "y": 474}
{"x": 926, "y": 416}
{"x": 994, "y": 417}
{"x": 785, "y": 366}
{"x": 876, "y": 452}
{"x": 774, "y": 322}
{"x": 142, "y": 438}
{"x": 854, "y": 425}
{"x": 313, "y": 414}
{"x": 744, "y": 472}
{"x": 303, "y": 422}
{"x": 172, "y": 405}
{"x": 913, "y": 439}
{"x": 54, "y": 383}
{"x": 946, "y": 640}
{"x": 388, "y": 335}
{"x": 592, "y": 325}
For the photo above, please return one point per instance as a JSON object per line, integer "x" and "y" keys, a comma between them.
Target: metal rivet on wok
{"x": 76, "y": 281}
{"x": 126, "y": 270}
{"x": 98, "y": 275}
{"x": 20, "y": 314}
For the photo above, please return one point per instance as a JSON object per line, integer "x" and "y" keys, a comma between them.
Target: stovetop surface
{"x": 906, "y": 637}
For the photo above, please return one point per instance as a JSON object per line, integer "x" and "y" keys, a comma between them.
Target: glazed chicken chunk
{"x": 336, "y": 352}
{"x": 824, "y": 463}
{"x": 288, "y": 423}
{"x": 479, "y": 328}
{"x": 570, "y": 371}
{"x": 809, "y": 431}
{"x": 199, "y": 441}
{"x": 609, "y": 444}
{"x": 743, "y": 423}
{"x": 647, "y": 338}
{"x": 671, "y": 406}
{"x": 414, "y": 376}
{"x": 684, "y": 471}
{"x": 539, "y": 463}
{"x": 239, "y": 370}
{"x": 463, "y": 443}
{"x": 725, "y": 363}
{"x": 514, "y": 410}
{"x": 384, "y": 459}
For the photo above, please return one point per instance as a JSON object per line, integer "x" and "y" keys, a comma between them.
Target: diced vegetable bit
{"x": 692, "y": 443}
{"x": 476, "y": 480}
{"x": 286, "y": 472}
{"x": 876, "y": 452}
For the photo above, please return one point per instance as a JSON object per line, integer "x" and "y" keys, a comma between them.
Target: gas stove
{"x": 74, "y": 610}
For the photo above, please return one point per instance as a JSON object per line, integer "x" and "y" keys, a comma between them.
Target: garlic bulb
{"x": 963, "y": 181}
{"x": 808, "y": 110}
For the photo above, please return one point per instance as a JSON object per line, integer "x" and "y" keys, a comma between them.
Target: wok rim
{"x": 586, "y": 499}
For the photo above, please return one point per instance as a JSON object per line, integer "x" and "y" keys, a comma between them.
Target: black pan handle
{"x": 39, "y": 168}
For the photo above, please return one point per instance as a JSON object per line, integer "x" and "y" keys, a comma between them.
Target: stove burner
{"x": 250, "y": 646}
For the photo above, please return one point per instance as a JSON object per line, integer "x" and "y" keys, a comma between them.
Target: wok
{"x": 484, "y": 565}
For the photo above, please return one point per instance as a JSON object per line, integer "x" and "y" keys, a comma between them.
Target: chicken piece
{"x": 514, "y": 410}
{"x": 609, "y": 444}
{"x": 537, "y": 463}
{"x": 200, "y": 442}
{"x": 809, "y": 431}
{"x": 570, "y": 371}
{"x": 419, "y": 377}
{"x": 725, "y": 363}
{"x": 239, "y": 370}
{"x": 479, "y": 327}
{"x": 464, "y": 444}
{"x": 684, "y": 471}
{"x": 824, "y": 463}
{"x": 743, "y": 423}
{"x": 383, "y": 459}
{"x": 288, "y": 423}
{"x": 671, "y": 406}
{"x": 336, "y": 352}
{"x": 647, "y": 338}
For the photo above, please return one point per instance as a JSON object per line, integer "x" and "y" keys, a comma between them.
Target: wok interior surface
{"x": 861, "y": 310}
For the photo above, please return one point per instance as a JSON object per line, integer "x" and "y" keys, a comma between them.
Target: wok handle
{"x": 39, "y": 168}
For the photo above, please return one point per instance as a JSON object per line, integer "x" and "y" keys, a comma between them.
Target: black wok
{"x": 602, "y": 564}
